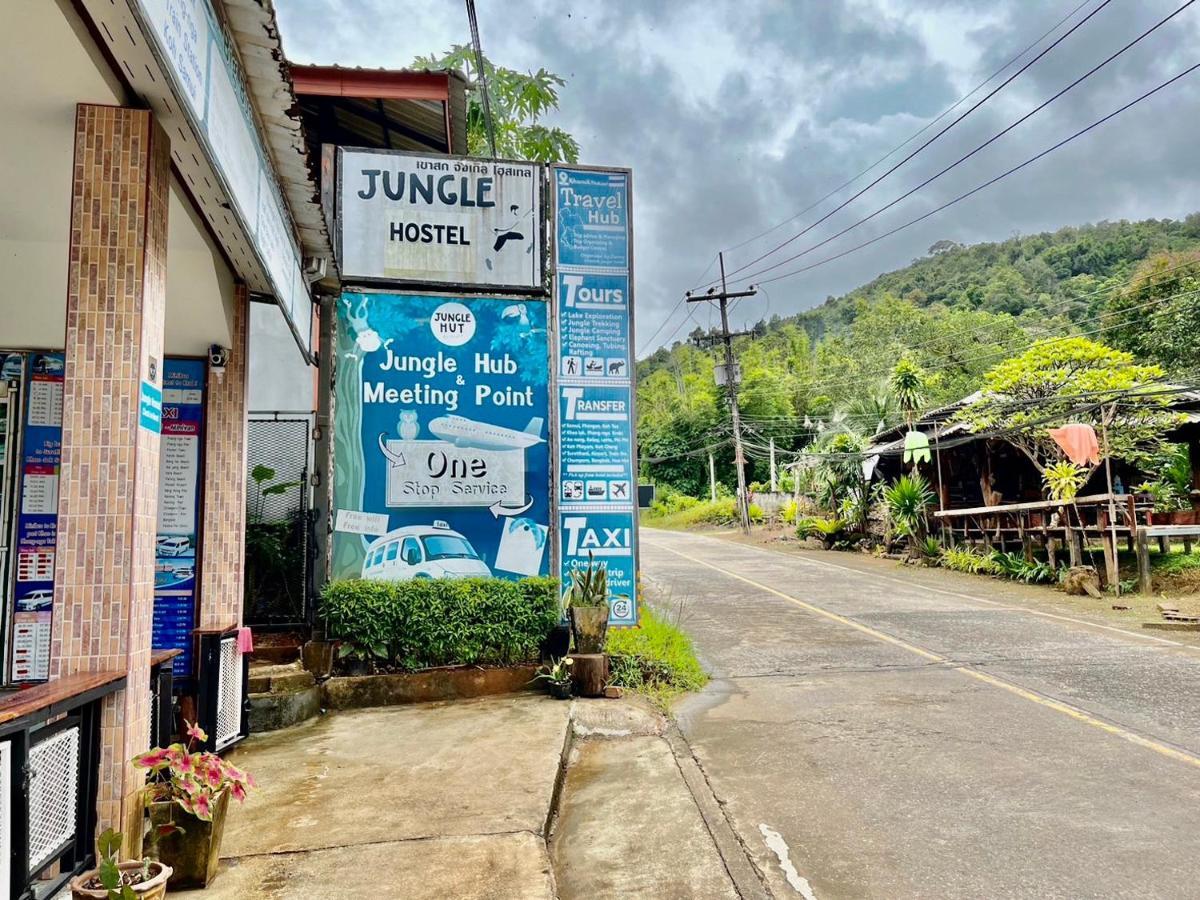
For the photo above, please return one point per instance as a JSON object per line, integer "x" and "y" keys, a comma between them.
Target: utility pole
{"x": 774, "y": 480}
{"x": 712, "y": 478}
{"x": 731, "y": 381}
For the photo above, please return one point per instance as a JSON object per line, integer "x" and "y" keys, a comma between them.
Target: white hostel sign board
{"x": 439, "y": 220}
{"x": 596, "y": 468}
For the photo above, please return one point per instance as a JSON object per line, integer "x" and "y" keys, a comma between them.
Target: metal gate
{"x": 279, "y": 538}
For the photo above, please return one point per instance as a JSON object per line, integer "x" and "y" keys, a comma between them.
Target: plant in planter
{"x": 187, "y": 798}
{"x": 586, "y": 602}
{"x": 557, "y": 675}
{"x": 361, "y": 659}
{"x": 113, "y": 880}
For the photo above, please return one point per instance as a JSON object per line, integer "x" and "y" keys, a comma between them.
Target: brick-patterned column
{"x": 108, "y": 489}
{"x": 224, "y": 536}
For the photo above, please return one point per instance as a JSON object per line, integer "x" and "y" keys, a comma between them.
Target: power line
{"x": 962, "y": 159}
{"x": 987, "y": 183}
{"x": 914, "y": 135}
{"x": 927, "y": 143}
{"x": 483, "y": 82}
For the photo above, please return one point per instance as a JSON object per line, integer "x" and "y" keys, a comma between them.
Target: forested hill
{"x": 958, "y": 310}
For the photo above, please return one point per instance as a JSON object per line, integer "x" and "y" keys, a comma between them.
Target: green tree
{"x": 1059, "y": 381}
{"x": 907, "y": 383}
{"x": 519, "y": 100}
{"x": 1157, "y": 317}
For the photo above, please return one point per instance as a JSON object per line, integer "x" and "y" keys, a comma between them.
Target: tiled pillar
{"x": 108, "y": 490}
{"x": 223, "y": 548}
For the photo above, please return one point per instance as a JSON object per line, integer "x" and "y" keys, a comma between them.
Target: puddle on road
{"x": 777, "y": 845}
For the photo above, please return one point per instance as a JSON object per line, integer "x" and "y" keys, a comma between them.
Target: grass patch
{"x": 655, "y": 659}
{"x": 722, "y": 511}
{"x": 1175, "y": 563}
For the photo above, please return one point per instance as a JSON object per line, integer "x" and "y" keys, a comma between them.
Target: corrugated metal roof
{"x": 254, "y": 28}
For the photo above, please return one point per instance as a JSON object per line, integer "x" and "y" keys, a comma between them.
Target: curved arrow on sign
{"x": 396, "y": 459}
{"x": 499, "y": 508}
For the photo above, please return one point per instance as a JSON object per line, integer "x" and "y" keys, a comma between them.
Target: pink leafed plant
{"x": 193, "y": 780}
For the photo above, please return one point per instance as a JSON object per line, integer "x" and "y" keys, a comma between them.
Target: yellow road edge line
{"x": 1056, "y": 705}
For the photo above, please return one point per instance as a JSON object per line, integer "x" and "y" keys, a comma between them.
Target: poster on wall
{"x": 440, "y": 220}
{"x": 441, "y": 411}
{"x": 593, "y": 304}
{"x": 37, "y": 517}
{"x": 179, "y": 468}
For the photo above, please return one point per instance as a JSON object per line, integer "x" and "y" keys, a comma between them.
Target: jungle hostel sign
{"x": 439, "y": 220}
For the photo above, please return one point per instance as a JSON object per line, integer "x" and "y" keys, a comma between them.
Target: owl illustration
{"x": 408, "y": 426}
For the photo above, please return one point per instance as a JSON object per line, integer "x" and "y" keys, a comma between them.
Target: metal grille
{"x": 5, "y": 818}
{"x": 53, "y": 794}
{"x": 278, "y": 545}
{"x": 229, "y": 695}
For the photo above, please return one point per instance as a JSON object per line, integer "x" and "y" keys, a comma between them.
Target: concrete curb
{"x": 746, "y": 877}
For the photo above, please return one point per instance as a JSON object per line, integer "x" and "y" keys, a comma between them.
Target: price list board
{"x": 176, "y": 556}
{"x": 37, "y": 517}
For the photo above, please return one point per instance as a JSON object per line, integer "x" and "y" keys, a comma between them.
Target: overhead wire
{"x": 926, "y": 144}
{"x": 967, "y": 156}
{"x": 1080, "y": 133}
{"x": 957, "y": 103}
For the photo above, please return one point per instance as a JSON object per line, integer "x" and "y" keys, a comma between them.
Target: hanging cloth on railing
{"x": 1079, "y": 442}
{"x": 916, "y": 447}
{"x": 245, "y": 641}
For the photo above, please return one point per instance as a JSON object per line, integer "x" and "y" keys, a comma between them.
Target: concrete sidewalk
{"x": 426, "y": 801}
{"x": 458, "y": 800}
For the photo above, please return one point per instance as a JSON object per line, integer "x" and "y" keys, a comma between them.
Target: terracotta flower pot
{"x": 195, "y": 851}
{"x": 589, "y": 625}
{"x": 154, "y": 889}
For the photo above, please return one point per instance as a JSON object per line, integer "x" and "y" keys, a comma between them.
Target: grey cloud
{"x": 726, "y": 145}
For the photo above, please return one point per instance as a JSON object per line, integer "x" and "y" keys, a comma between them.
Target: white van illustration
{"x": 423, "y": 551}
{"x": 36, "y": 601}
{"x": 173, "y": 545}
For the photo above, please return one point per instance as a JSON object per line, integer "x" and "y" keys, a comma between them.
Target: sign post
{"x": 596, "y": 457}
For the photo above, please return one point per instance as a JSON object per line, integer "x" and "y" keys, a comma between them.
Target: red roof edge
{"x": 370, "y": 84}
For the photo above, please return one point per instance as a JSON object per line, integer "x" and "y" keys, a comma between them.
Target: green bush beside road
{"x": 438, "y": 622}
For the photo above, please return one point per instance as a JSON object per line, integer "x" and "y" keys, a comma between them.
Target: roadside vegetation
{"x": 674, "y": 509}
{"x": 422, "y": 623}
{"x": 655, "y": 659}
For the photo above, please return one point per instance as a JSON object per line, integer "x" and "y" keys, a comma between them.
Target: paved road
{"x": 873, "y": 737}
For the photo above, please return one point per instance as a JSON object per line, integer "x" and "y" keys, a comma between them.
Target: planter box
{"x": 452, "y": 683}
{"x": 1178, "y": 517}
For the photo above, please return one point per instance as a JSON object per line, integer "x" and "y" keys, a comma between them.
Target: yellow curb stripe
{"x": 1025, "y": 694}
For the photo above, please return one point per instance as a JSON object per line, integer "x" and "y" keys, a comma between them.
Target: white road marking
{"x": 806, "y": 561}
{"x": 779, "y": 847}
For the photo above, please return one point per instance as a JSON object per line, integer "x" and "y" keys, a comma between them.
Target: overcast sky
{"x": 734, "y": 116}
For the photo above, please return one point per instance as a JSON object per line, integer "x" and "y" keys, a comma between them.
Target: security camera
{"x": 315, "y": 268}
{"x": 218, "y": 359}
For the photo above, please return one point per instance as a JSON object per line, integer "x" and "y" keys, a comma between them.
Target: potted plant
{"x": 557, "y": 676}
{"x": 187, "y": 798}
{"x": 112, "y": 880}
{"x": 586, "y": 602}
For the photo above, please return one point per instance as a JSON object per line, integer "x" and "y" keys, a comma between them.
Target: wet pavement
{"x": 871, "y": 736}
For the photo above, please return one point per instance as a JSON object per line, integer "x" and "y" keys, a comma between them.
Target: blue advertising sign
{"x": 592, "y": 219}
{"x": 150, "y": 407}
{"x": 442, "y": 466}
{"x": 37, "y": 517}
{"x": 179, "y": 468}
{"x": 593, "y": 302}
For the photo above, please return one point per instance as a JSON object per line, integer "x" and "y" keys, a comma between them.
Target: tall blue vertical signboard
{"x": 175, "y": 553}
{"x": 440, "y": 423}
{"x": 597, "y": 485}
{"x": 37, "y": 517}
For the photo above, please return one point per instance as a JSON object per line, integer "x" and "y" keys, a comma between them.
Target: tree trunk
{"x": 589, "y": 674}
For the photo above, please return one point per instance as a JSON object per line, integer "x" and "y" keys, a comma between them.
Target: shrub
{"x": 656, "y": 658}
{"x": 788, "y": 513}
{"x": 1018, "y": 568}
{"x": 964, "y": 559}
{"x": 827, "y": 530}
{"x": 437, "y": 622}
{"x": 907, "y": 499}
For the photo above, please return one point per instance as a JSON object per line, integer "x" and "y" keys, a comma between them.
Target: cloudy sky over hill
{"x": 735, "y": 116}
